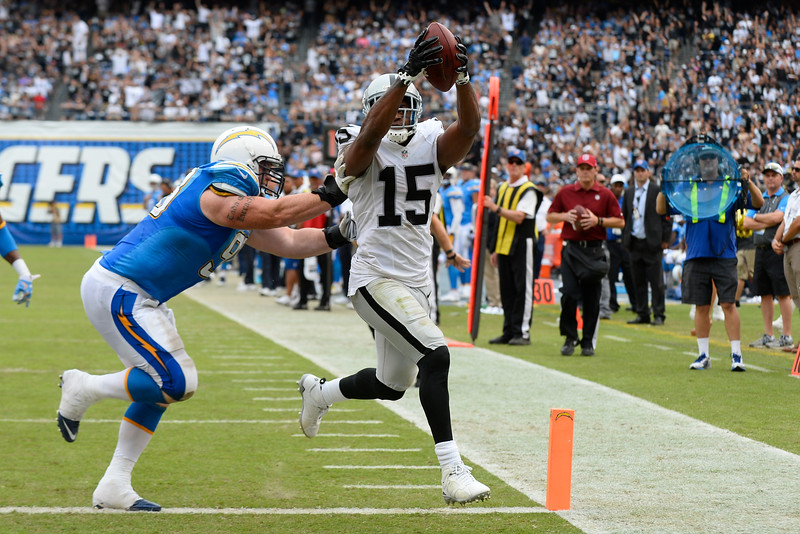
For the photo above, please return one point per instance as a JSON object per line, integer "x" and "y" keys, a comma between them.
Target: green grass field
{"x": 237, "y": 443}
{"x": 654, "y": 365}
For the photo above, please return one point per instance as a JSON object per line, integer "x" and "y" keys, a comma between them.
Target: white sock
{"x": 21, "y": 267}
{"x": 702, "y": 346}
{"x": 130, "y": 444}
{"x": 447, "y": 452}
{"x": 331, "y": 392}
{"x": 115, "y": 489}
{"x": 112, "y": 386}
{"x": 736, "y": 347}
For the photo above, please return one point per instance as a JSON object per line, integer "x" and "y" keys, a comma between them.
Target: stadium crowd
{"x": 652, "y": 78}
{"x": 622, "y": 82}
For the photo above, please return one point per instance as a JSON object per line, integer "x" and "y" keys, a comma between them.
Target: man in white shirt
{"x": 787, "y": 238}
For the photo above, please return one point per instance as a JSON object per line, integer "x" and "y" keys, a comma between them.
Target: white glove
{"x": 343, "y": 233}
{"x": 310, "y": 269}
{"x": 342, "y": 180}
{"x": 347, "y": 226}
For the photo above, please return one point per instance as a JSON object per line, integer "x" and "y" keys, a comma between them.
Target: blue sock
{"x": 454, "y": 274}
{"x": 142, "y": 388}
{"x": 144, "y": 415}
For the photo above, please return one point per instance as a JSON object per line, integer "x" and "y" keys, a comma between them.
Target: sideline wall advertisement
{"x": 97, "y": 172}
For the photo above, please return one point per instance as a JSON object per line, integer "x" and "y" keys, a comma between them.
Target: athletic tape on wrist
{"x": 407, "y": 79}
{"x": 23, "y": 272}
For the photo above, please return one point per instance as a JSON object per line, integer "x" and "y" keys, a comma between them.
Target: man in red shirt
{"x": 587, "y": 209}
{"x": 324, "y": 261}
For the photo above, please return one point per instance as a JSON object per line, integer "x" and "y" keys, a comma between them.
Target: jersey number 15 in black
{"x": 387, "y": 175}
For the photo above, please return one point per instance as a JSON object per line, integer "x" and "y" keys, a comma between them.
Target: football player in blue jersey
{"x": 8, "y": 250}
{"x": 453, "y": 206}
{"x": 470, "y": 187}
{"x": 204, "y": 222}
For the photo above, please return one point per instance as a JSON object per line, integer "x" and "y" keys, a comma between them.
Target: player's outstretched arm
{"x": 304, "y": 242}
{"x": 358, "y": 156}
{"x": 457, "y": 140}
{"x": 253, "y": 213}
{"x": 23, "y": 292}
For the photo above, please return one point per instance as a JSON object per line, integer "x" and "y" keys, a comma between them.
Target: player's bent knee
{"x": 435, "y": 361}
{"x": 182, "y": 388}
{"x": 387, "y": 393}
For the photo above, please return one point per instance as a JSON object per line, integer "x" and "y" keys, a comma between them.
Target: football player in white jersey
{"x": 392, "y": 167}
{"x": 203, "y": 223}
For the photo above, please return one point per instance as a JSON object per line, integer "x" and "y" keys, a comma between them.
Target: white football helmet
{"x": 411, "y": 113}
{"x": 255, "y": 148}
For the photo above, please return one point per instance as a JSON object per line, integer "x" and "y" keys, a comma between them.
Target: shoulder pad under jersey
{"x": 233, "y": 177}
{"x": 430, "y": 129}
{"x": 346, "y": 135}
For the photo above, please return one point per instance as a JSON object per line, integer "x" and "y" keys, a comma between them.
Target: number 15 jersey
{"x": 392, "y": 205}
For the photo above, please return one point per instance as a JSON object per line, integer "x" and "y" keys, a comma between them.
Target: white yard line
{"x": 393, "y": 486}
{"x": 347, "y": 449}
{"x": 294, "y": 390}
{"x": 260, "y": 380}
{"x": 56, "y": 510}
{"x": 340, "y": 435}
{"x": 383, "y": 467}
{"x": 293, "y": 398}
{"x": 637, "y": 467}
{"x": 245, "y": 357}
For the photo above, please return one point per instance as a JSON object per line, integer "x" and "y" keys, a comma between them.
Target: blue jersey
{"x": 780, "y": 207}
{"x": 175, "y": 246}
{"x": 452, "y": 202}
{"x": 469, "y": 188}
{"x": 714, "y": 238}
{"x": 614, "y": 234}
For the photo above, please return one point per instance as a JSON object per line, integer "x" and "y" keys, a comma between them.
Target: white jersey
{"x": 392, "y": 204}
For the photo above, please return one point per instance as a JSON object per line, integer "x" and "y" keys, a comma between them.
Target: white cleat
{"x": 314, "y": 407}
{"x": 452, "y": 296}
{"x": 76, "y": 397}
{"x": 119, "y": 495}
{"x": 459, "y": 486}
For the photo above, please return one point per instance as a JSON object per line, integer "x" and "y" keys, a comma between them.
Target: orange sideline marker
{"x": 559, "y": 459}
{"x": 454, "y": 343}
{"x": 796, "y": 364}
{"x": 90, "y": 241}
{"x": 579, "y": 318}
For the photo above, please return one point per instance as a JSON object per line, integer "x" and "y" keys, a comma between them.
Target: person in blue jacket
{"x": 711, "y": 248}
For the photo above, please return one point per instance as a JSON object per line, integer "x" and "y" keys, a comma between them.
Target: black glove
{"x": 343, "y": 233}
{"x": 461, "y": 56}
{"x": 420, "y": 58}
{"x": 329, "y": 192}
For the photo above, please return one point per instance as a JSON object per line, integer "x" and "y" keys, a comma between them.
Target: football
{"x": 443, "y": 76}
{"x": 582, "y": 212}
